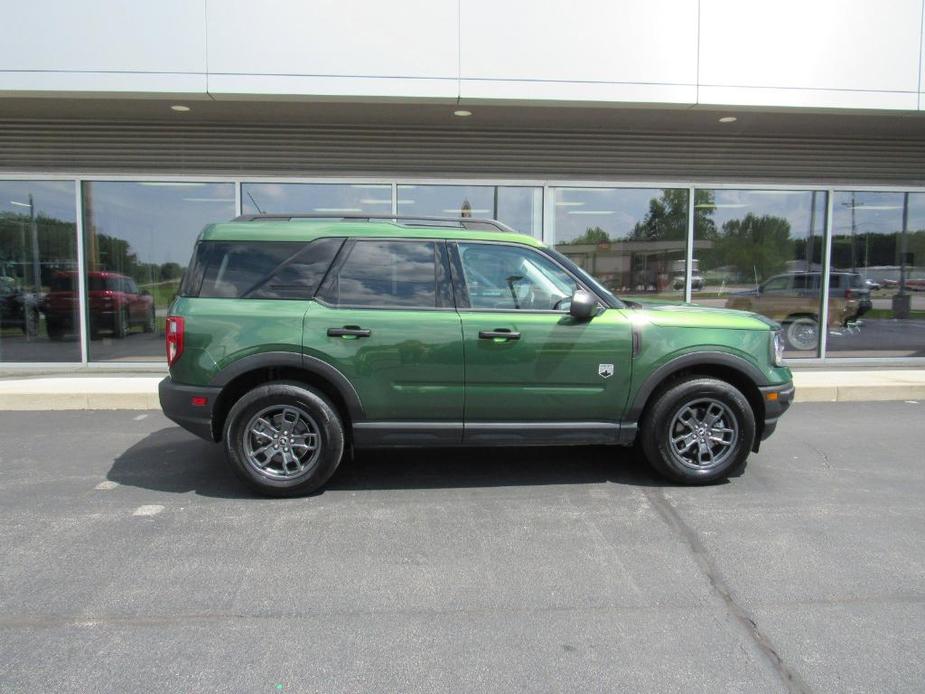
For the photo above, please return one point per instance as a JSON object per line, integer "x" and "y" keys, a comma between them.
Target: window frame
{"x": 443, "y": 288}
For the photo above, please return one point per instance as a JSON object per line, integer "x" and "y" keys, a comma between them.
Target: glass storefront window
{"x": 634, "y": 240}
{"x": 38, "y": 266}
{"x": 761, "y": 251}
{"x": 316, "y": 198}
{"x": 877, "y": 278}
{"x": 138, "y": 238}
{"x": 520, "y": 207}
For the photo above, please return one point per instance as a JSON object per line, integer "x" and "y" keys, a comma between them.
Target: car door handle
{"x": 349, "y": 331}
{"x": 502, "y": 333}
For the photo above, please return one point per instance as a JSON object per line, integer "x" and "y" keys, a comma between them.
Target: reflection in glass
{"x": 519, "y": 207}
{"x": 385, "y": 273}
{"x": 633, "y": 240}
{"x": 138, "y": 239}
{"x": 316, "y": 198}
{"x": 877, "y": 287}
{"x": 38, "y": 251}
{"x": 513, "y": 279}
{"x": 761, "y": 250}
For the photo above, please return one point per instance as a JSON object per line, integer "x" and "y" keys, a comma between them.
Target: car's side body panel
{"x": 219, "y": 332}
{"x": 409, "y": 367}
{"x": 559, "y": 369}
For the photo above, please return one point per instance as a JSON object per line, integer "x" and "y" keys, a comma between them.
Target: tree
{"x": 170, "y": 271}
{"x": 754, "y": 245}
{"x": 592, "y": 235}
{"x": 666, "y": 219}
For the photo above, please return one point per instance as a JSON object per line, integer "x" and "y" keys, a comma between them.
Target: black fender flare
{"x": 295, "y": 360}
{"x": 691, "y": 359}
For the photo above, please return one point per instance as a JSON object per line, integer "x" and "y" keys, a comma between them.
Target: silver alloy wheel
{"x": 282, "y": 442}
{"x": 803, "y": 333}
{"x": 703, "y": 434}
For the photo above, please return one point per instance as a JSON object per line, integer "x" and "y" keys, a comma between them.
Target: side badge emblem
{"x": 605, "y": 370}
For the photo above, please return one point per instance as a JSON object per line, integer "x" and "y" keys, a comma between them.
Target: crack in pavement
{"x": 740, "y": 616}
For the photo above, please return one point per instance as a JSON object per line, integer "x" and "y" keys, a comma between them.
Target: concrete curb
{"x": 140, "y": 392}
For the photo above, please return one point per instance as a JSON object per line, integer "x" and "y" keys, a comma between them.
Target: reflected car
{"x": 18, "y": 309}
{"x": 793, "y": 300}
{"x": 696, "y": 282}
{"x": 115, "y": 305}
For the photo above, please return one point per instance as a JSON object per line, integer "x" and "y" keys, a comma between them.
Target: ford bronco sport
{"x": 293, "y": 339}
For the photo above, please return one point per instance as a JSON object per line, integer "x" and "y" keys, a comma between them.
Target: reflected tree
{"x": 667, "y": 217}
{"x": 756, "y": 247}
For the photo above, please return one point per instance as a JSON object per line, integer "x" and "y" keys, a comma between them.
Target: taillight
{"x": 175, "y": 328}
{"x": 849, "y": 294}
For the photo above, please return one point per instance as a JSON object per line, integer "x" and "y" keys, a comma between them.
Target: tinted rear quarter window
{"x": 382, "y": 273}
{"x": 259, "y": 270}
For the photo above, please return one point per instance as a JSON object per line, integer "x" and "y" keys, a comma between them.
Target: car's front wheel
{"x": 698, "y": 430}
{"x": 801, "y": 333}
{"x": 284, "y": 439}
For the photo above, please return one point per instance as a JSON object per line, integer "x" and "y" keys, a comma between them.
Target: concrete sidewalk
{"x": 140, "y": 392}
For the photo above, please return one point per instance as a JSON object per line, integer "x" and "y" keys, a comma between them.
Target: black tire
{"x": 149, "y": 323}
{"x": 661, "y": 426}
{"x": 54, "y": 329}
{"x": 120, "y": 329}
{"x": 320, "y": 415}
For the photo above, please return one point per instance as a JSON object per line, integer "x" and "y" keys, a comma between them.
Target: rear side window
{"x": 259, "y": 270}
{"x": 385, "y": 274}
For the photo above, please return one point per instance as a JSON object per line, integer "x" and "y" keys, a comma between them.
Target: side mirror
{"x": 583, "y": 306}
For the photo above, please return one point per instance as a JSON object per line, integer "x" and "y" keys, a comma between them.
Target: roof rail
{"x": 464, "y": 222}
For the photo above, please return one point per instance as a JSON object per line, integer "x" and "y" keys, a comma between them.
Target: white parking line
{"x": 107, "y": 484}
{"x": 148, "y": 510}
{"x": 912, "y": 402}
{"x": 139, "y": 417}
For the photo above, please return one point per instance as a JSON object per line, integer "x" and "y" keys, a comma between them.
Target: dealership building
{"x": 764, "y": 156}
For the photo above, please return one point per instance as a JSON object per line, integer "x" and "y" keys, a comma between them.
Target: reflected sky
{"x": 876, "y": 213}
{"x": 615, "y": 210}
{"x": 50, "y": 198}
{"x": 336, "y": 198}
{"x": 793, "y": 205}
{"x": 159, "y": 220}
{"x": 520, "y": 207}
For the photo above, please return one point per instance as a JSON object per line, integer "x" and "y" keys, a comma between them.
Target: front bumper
{"x": 777, "y": 400}
{"x": 177, "y": 404}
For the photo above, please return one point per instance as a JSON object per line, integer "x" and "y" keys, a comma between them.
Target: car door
{"x": 533, "y": 372}
{"x": 777, "y": 298}
{"x": 384, "y": 317}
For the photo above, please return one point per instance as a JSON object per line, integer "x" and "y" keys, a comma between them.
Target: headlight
{"x": 777, "y": 348}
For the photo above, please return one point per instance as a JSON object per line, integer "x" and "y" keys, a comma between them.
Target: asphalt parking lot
{"x": 132, "y": 560}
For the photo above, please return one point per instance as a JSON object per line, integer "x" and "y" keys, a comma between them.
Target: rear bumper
{"x": 177, "y": 404}
{"x": 777, "y": 400}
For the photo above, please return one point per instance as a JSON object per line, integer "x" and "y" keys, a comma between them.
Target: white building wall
{"x": 842, "y": 54}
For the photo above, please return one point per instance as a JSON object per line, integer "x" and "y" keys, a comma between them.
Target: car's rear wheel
{"x": 120, "y": 330}
{"x": 801, "y": 333}
{"x": 54, "y": 329}
{"x": 284, "y": 439}
{"x": 698, "y": 430}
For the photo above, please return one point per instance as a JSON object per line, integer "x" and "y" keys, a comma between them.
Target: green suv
{"x": 294, "y": 339}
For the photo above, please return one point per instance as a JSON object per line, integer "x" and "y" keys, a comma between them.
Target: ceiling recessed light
{"x": 179, "y": 107}
{"x": 462, "y": 113}
{"x": 728, "y": 119}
